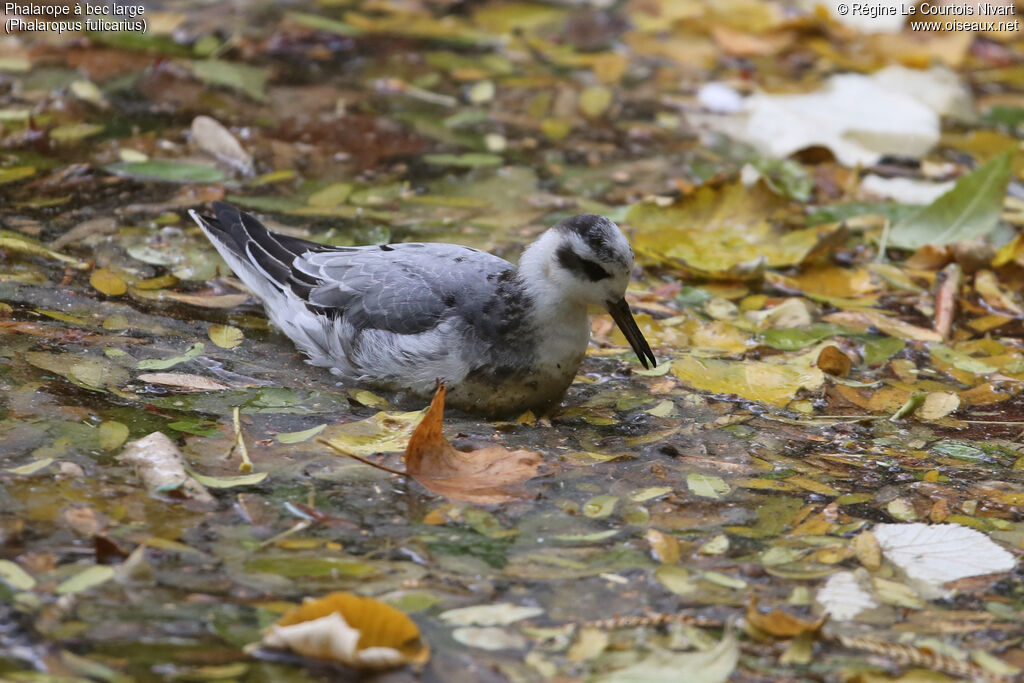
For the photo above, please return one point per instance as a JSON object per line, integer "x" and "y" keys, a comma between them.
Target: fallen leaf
{"x": 843, "y": 597}
{"x": 499, "y": 614}
{"x": 225, "y": 336}
{"x": 665, "y": 666}
{"x": 112, "y": 434}
{"x": 937, "y": 405}
{"x": 16, "y": 577}
{"x": 834, "y": 362}
{"x": 213, "y": 138}
{"x": 165, "y": 363}
{"x": 228, "y": 482}
{"x": 159, "y": 465}
{"x": 475, "y": 477}
{"x": 775, "y": 381}
{"x": 360, "y": 632}
{"x": 780, "y": 623}
{"x": 720, "y": 233}
{"x": 85, "y": 579}
{"x": 939, "y": 553}
{"x": 167, "y": 171}
{"x": 970, "y": 210}
{"x": 106, "y": 282}
{"x": 184, "y": 380}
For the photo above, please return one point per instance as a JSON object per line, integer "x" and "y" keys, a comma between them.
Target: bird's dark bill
{"x": 623, "y": 317}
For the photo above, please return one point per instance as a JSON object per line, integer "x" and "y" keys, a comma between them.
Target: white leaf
{"x": 500, "y": 614}
{"x": 937, "y": 554}
{"x": 843, "y": 597}
{"x": 159, "y": 465}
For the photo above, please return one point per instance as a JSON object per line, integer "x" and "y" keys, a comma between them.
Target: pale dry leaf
{"x": 938, "y": 404}
{"x": 843, "y": 597}
{"x": 213, "y": 138}
{"x": 499, "y": 614}
{"x": 937, "y": 554}
{"x": 159, "y": 465}
{"x": 183, "y": 380}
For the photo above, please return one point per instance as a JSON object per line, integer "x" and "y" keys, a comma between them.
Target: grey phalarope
{"x": 399, "y": 317}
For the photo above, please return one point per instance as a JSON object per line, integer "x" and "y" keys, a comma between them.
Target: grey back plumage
{"x": 378, "y": 312}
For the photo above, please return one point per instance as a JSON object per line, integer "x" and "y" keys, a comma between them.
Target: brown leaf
{"x": 475, "y": 477}
{"x": 779, "y": 623}
{"x": 834, "y": 362}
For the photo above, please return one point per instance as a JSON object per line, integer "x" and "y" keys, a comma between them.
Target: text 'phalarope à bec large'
{"x": 399, "y": 317}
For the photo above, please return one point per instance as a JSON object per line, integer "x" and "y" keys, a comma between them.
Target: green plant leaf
{"x": 250, "y": 80}
{"x": 167, "y": 171}
{"x": 971, "y": 209}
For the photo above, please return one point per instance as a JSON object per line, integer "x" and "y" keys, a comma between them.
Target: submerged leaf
{"x": 167, "y": 171}
{"x": 664, "y": 666}
{"x": 225, "y": 336}
{"x": 165, "y": 363}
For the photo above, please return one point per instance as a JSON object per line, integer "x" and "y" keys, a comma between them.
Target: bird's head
{"x": 586, "y": 259}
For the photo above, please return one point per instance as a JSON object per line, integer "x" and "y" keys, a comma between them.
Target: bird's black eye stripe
{"x": 574, "y": 263}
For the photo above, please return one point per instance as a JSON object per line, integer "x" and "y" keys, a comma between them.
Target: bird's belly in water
{"x": 485, "y": 394}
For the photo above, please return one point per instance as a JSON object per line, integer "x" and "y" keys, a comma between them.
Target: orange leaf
{"x": 357, "y": 631}
{"x": 475, "y": 477}
{"x": 779, "y": 623}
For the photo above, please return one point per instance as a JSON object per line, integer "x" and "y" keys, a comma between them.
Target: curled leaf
{"x": 360, "y": 632}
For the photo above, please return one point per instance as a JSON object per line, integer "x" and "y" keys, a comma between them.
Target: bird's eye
{"x": 582, "y": 267}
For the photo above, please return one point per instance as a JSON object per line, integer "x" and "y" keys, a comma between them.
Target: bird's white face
{"x": 590, "y": 260}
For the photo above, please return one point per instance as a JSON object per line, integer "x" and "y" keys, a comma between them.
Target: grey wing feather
{"x": 387, "y": 313}
{"x": 404, "y": 288}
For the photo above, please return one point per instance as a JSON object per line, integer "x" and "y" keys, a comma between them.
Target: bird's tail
{"x": 260, "y": 258}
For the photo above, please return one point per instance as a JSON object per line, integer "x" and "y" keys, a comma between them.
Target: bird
{"x": 400, "y": 317}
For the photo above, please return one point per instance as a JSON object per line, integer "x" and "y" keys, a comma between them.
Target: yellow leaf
{"x": 112, "y": 434}
{"x": 775, "y": 381}
{"x": 357, "y": 631}
{"x": 225, "y": 336}
{"x": 720, "y": 233}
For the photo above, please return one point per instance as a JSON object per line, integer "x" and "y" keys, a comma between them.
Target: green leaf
{"x": 164, "y": 363}
{"x": 841, "y": 212}
{"x": 662, "y": 666}
{"x": 16, "y": 173}
{"x": 31, "y": 468}
{"x": 73, "y": 132}
{"x": 228, "y": 482}
{"x": 1007, "y": 116}
{"x": 298, "y": 437}
{"x": 706, "y": 486}
{"x": 785, "y": 177}
{"x": 167, "y": 171}
{"x": 250, "y": 80}
{"x": 84, "y": 580}
{"x": 971, "y": 209}
{"x": 470, "y": 160}
{"x": 15, "y": 577}
{"x": 319, "y": 23}
{"x": 196, "y": 427}
{"x": 793, "y": 339}
{"x": 877, "y": 350}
